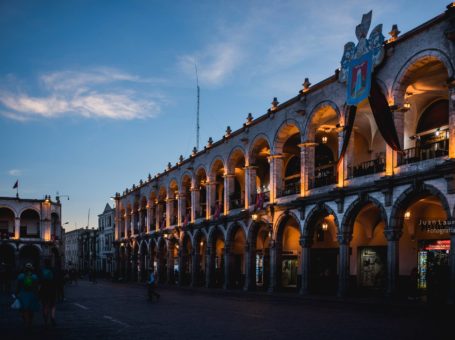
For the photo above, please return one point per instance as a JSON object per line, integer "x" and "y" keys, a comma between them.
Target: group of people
{"x": 36, "y": 290}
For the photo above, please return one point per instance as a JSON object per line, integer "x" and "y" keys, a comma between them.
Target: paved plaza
{"x": 120, "y": 311}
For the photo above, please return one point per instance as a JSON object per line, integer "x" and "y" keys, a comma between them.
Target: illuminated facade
{"x": 274, "y": 205}
{"x": 30, "y": 231}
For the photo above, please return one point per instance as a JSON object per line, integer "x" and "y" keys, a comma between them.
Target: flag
{"x": 16, "y": 185}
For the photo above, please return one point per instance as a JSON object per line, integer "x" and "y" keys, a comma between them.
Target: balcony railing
{"x": 367, "y": 168}
{"x": 323, "y": 175}
{"x": 428, "y": 151}
{"x": 290, "y": 188}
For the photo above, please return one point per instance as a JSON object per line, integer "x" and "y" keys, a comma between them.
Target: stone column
{"x": 181, "y": 266}
{"x": 169, "y": 206}
{"x": 209, "y": 264}
{"x": 451, "y": 299}
{"x": 249, "y": 268}
{"x": 272, "y": 184}
{"x": 181, "y": 208}
{"x": 341, "y": 168}
{"x": 17, "y": 228}
{"x": 277, "y": 175}
{"x": 227, "y": 266}
{"x": 452, "y": 120}
{"x": 140, "y": 221}
{"x": 305, "y": 243}
{"x": 149, "y": 218}
{"x": 349, "y": 157}
{"x": 211, "y": 197}
{"x": 228, "y": 191}
{"x": 344, "y": 241}
{"x": 393, "y": 238}
{"x": 194, "y": 267}
{"x": 170, "y": 262}
{"x": 250, "y": 186}
{"x": 195, "y": 206}
{"x": 273, "y": 284}
{"x": 303, "y": 169}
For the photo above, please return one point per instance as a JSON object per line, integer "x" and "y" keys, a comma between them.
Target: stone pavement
{"x": 121, "y": 311}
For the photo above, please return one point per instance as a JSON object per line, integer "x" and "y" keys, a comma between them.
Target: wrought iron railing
{"x": 323, "y": 175}
{"x": 427, "y": 151}
{"x": 367, "y": 168}
{"x": 289, "y": 188}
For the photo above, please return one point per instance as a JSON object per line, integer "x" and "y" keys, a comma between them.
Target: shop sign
{"x": 438, "y": 245}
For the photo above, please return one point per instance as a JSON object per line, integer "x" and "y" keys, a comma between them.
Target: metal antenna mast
{"x": 197, "y": 109}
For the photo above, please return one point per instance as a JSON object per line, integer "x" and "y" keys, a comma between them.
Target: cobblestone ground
{"x": 120, "y": 311}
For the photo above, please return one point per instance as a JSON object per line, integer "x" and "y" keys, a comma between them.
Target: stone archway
{"x": 199, "y": 269}
{"x": 216, "y": 259}
{"x": 258, "y": 256}
{"x": 235, "y": 257}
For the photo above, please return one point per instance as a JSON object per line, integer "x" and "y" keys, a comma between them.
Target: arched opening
{"x": 143, "y": 215}
{"x": 425, "y": 247}
{"x": 154, "y": 221}
{"x": 427, "y": 117}
{"x": 173, "y": 196}
{"x": 129, "y": 221}
{"x": 161, "y": 208}
{"x": 323, "y": 264}
{"x": 288, "y": 254}
{"x": 122, "y": 225}
{"x": 217, "y": 259}
{"x": 368, "y": 262}
{"x": 7, "y": 264}
{"x": 186, "y": 264}
{"x": 153, "y": 264}
{"x": 217, "y": 183}
{"x": 260, "y": 251}
{"x": 259, "y": 161}
{"x": 237, "y": 245}
{"x": 236, "y": 180}
{"x": 30, "y": 224}
{"x": 187, "y": 203}
{"x": 323, "y": 158}
{"x": 135, "y": 217}
{"x": 29, "y": 254}
{"x": 201, "y": 193}
{"x": 7, "y": 219}
{"x": 162, "y": 261}
{"x": 174, "y": 275}
{"x": 200, "y": 260}
{"x": 143, "y": 262}
{"x": 288, "y": 160}
{"x": 366, "y": 149}
{"x": 56, "y": 230}
{"x": 135, "y": 262}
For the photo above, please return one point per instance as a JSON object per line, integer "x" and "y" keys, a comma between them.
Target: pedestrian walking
{"x": 26, "y": 292}
{"x": 152, "y": 286}
{"x": 48, "y": 293}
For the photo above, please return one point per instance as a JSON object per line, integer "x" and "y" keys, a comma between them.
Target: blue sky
{"x": 94, "y": 95}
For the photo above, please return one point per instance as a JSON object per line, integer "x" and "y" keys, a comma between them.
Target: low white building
{"x": 72, "y": 248}
{"x": 105, "y": 247}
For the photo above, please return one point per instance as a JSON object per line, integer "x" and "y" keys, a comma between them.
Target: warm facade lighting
{"x": 324, "y": 139}
{"x": 407, "y": 105}
{"x": 324, "y": 226}
{"x": 202, "y": 243}
{"x": 407, "y": 215}
{"x": 254, "y": 217}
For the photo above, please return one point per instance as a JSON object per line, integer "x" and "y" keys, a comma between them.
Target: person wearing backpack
{"x": 26, "y": 292}
{"x": 48, "y": 293}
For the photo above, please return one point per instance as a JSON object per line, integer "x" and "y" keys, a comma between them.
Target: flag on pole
{"x": 16, "y": 185}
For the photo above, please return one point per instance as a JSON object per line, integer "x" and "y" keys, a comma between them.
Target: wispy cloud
{"x": 15, "y": 172}
{"x": 97, "y": 93}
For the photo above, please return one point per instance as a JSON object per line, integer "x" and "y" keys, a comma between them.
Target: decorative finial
{"x": 169, "y": 165}
{"x": 394, "y": 33}
{"x": 306, "y": 85}
{"x": 194, "y": 152}
{"x": 210, "y": 142}
{"x": 141, "y": 182}
{"x": 149, "y": 177}
{"x": 134, "y": 186}
{"x": 275, "y": 103}
{"x": 228, "y": 131}
{"x": 181, "y": 158}
{"x": 249, "y": 118}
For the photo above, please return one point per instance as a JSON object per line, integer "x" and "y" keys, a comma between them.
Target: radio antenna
{"x": 197, "y": 108}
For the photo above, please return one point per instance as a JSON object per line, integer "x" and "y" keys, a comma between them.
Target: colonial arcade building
{"x": 30, "y": 231}
{"x": 325, "y": 193}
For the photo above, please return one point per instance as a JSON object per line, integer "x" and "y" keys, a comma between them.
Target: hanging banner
{"x": 359, "y": 79}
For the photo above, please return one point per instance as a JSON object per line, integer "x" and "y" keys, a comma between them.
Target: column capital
{"x": 393, "y": 234}
{"x": 344, "y": 238}
{"x": 305, "y": 241}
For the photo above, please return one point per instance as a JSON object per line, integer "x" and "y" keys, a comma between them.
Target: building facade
{"x": 316, "y": 196}
{"x": 88, "y": 249}
{"x": 30, "y": 231}
{"x": 106, "y": 225}
{"x": 72, "y": 248}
